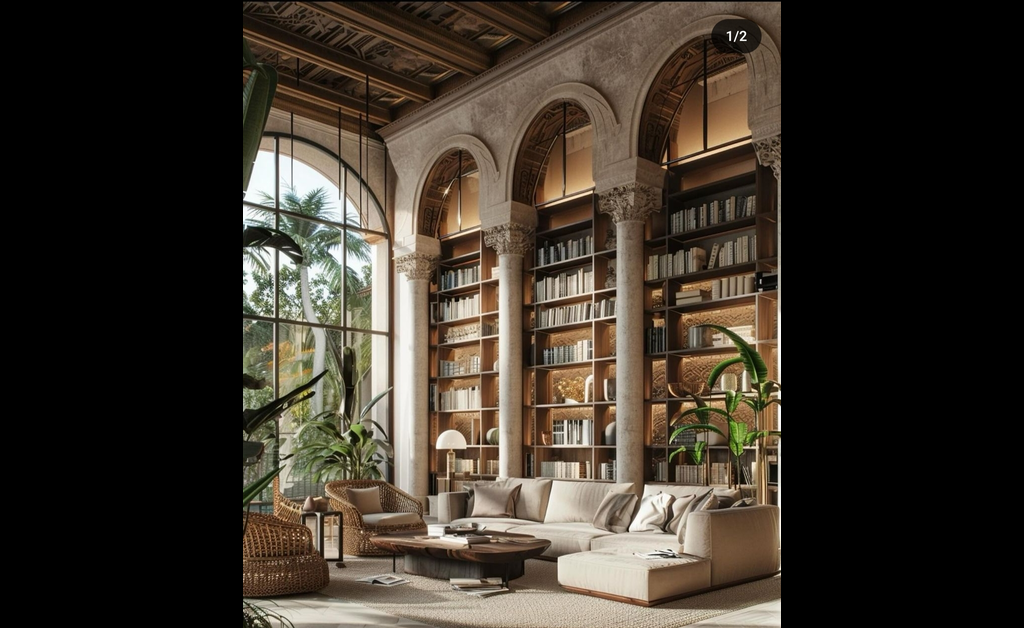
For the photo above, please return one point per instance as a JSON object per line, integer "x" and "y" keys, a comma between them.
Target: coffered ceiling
{"x": 405, "y": 54}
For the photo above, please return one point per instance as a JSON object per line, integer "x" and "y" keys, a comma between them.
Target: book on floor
{"x": 386, "y": 580}
{"x": 485, "y": 591}
{"x": 474, "y": 583}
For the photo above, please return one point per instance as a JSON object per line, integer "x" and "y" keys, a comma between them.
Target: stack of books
{"x": 480, "y": 587}
{"x": 685, "y": 297}
{"x": 441, "y": 529}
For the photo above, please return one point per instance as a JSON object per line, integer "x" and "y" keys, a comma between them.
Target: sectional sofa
{"x": 596, "y": 528}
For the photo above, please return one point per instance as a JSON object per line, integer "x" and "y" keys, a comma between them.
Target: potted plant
{"x": 740, "y": 435}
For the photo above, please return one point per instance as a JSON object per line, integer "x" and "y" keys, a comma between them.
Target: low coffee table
{"x": 504, "y": 556}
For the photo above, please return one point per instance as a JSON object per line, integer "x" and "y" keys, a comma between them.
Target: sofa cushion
{"x": 578, "y": 501}
{"x": 638, "y": 541}
{"x": 470, "y": 487}
{"x": 566, "y": 538}
{"x": 614, "y": 512}
{"x": 708, "y": 501}
{"x": 727, "y": 496}
{"x": 680, "y": 507}
{"x": 617, "y": 573}
{"x": 366, "y": 500}
{"x": 653, "y": 513}
{"x": 495, "y": 501}
{"x": 532, "y": 501}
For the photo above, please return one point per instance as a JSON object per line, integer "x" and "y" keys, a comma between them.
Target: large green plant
{"x": 257, "y": 98}
{"x": 341, "y": 444}
{"x": 740, "y": 435}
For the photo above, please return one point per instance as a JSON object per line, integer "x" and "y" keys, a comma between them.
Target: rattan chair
{"x": 357, "y": 533}
{"x": 286, "y": 509}
{"x": 279, "y": 558}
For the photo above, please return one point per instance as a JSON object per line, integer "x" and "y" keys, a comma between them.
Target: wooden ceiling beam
{"x": 332, "y": 59}
{"x": 329, "y": 98}
{"x": 409, "y": 32}
{"x": 313, "y": 110}
{"x": 518, "y": 20}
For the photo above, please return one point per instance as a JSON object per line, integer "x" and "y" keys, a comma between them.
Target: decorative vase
{"x": 545, "y": 438}
{"x": 609, "y": 389}
{"x": 309, "y": 505}
{"x": 492, "y": 436}
{"x": 609, "y": 434}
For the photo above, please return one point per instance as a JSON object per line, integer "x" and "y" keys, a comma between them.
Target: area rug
{"x": 536, "y": 600}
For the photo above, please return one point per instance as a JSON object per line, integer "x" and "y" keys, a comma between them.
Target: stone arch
{"x": 597, "y": 108}
{"x": 425, "y": 220}
{"x": 764, "y": 97}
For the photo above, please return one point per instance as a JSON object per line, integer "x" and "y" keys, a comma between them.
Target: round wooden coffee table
{"x": 504, "y": 556}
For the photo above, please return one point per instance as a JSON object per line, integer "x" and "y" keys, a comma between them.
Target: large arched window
{"x": 297, "y": 319}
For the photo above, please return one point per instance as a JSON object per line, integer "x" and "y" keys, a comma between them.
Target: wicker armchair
{"x": 284, "y": 508}
{"x": 279, "y": 558}
{"x": 357, "y": 532}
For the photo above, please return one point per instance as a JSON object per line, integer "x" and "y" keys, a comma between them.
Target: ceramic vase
{"x": 609, "y": 434}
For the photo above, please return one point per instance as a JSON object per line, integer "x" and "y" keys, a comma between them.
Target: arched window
{"x": 297, "y": 319}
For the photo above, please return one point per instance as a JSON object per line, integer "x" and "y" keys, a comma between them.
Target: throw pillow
{"x": 707, "y": 501}
{"x": 613, "y": 513}
{"x": 743, "y": 503}
{"x": 495, "y": 501}
{"x": 366, "y": 500}
{"x": 653, "y": 513}
{"x": 680, "y": 508}
{"x": 470, "y": 487}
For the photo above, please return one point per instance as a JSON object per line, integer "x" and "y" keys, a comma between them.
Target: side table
{"x": 319, "y": 536}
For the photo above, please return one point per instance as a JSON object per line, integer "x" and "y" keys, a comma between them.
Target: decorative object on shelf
{"x": 609, "y": 389}
{"x": 609, "y": 434}
{"x": 588, "y": 385}
{"x": 492, "y": 436}
{"x": 451, "y": 440}
{"x": 609, "y": 281}
{"x": 569, "y": 390}
{"x": 729, "y": 381}
{"x": 495, "y": 366}
{"x": 739, "y": 434}
{"x": 545, "y": 437}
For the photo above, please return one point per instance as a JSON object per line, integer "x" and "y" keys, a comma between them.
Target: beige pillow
{"x": 366, "y": 500}
{"x": 680, "y": 508}
{"x": 653, "y": 513}
{"x": 614, "y": 512}
{"x": 707, "y": 501}
{"x": 470, "y": 487}
{"x": 495, "y": 501}
{"x": 572, "y": 501}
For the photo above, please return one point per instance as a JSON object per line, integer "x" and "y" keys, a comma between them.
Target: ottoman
{"x": 616, "y": 574}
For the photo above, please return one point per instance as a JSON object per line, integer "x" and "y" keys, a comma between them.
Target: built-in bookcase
{"x": 569, "y": 342}
{"x": 463, "y": 353}
{"x": 711, "y": 258}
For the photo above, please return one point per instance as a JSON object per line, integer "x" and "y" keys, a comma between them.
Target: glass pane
{"x": 309, "y": 181}
{"x": 261, "y": 182}
{"x": 371, "y": 375}
{"x": 359, "y": 280}
{"x": 257, "y": 265}
{"x": 311, "y": 292}
{"x": 727, "y": 106}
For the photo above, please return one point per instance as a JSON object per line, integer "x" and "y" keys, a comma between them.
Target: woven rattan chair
{"x": 286, "y": 509}
{"x": 279, "y": 558}
{"x": 357, "y": 533}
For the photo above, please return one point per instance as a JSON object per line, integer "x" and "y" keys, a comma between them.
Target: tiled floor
{"x": 319, "y": 611}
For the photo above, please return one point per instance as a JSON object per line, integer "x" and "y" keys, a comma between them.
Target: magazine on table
{"x": 441, "y": 529}
{"x": 656, "y": 554}
{"x": 384, "y": 580}
{"x": 466, "y": 539}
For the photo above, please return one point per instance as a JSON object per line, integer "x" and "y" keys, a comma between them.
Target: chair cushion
{"x": 653, "y": 513}
{"x": 393, "y": 518}
{"x": 366, "y": 500}
{"x": 614, "y": 512}
{"x": 495, "y": 501}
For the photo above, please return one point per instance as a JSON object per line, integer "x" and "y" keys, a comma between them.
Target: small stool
{"x": 616, "y": 574}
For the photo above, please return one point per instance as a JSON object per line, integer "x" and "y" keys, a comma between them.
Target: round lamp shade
{"x": 451, "y": 439}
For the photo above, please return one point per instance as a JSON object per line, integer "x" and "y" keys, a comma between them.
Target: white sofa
{"x": 723, "y": 546}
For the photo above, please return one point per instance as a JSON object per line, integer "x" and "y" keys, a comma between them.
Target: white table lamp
{"x": 451, "y": 440}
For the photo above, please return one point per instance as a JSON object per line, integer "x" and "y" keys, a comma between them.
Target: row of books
{"x": 712, "y": 213}
{"x": 681, "y": 262}
{"x": 551, "y": 252}
{"x": 739, "y": 251}
{"x": 457, "y": 277}
{"x": 606, "y": 470}
{"x": 567, "y": 284}
{"x": 732, "y": 286}
{"x": 471, "y": 331}
{"x": 572, "y": 432}
{"x": 655, "y": 340}
{"x": 562, "y": 469}
{"x": 460, "y": 399}
{"x": 461, "y": 307}
{"x": 564, "y": 354}
{"x": 746, "y": 332}
{"x": 690, "y": 474}
{"x": 463, "y": 366}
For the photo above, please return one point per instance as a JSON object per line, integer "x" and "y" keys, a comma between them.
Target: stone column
{"x": 629, "y": 206}
{"x": 511, "y": 241}
{"x": 769, "y": 153}
{"x": 411, "y": 437}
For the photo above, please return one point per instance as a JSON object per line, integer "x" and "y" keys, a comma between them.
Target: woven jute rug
{"x": 536, "y": 601}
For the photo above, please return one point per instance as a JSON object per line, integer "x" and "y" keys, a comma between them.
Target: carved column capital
{"x": 769, "y": 153}
{"x": 632, "y": 201}
{"x": 416, "y": 265}
{"x": 509, "y": 239}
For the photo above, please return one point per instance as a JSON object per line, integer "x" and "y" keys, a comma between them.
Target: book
{"x": 440, "y": 529}
{"x": 714, "y": 254}
{"x": 475, "y": 583}
{"x": 485, "y": 592}
{"x": 465, "y": 539}
{"x": 384, "y": 580}
{"x": 658, "y": 554}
